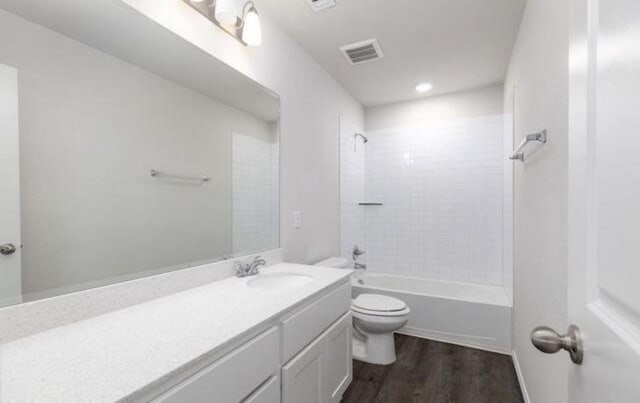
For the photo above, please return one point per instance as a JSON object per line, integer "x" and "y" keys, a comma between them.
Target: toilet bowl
{"x": 375, "y": 318}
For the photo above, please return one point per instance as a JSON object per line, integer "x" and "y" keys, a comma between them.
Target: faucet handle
{"x": 239, "y": 268}
{"x": 357, "y": 252}
{"x": 257, "y": 262}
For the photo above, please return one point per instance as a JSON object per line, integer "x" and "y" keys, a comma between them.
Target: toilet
{"x": 375, "y": 318}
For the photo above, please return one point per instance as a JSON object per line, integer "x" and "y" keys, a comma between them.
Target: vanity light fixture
{"x": 246, "y": 29}
{"x": 251, "y": 28}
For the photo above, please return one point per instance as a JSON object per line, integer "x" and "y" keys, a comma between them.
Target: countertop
{"x": 122, "y": 355}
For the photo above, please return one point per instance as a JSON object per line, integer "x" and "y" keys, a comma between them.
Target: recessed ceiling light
{"x": 423, "y": 87}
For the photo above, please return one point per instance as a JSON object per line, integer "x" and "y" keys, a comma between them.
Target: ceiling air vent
{"x": 362, "y": 52}
{"x": 319, "y": 5}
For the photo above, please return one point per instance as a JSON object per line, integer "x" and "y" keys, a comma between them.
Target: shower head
{"x": 364, "y": 139}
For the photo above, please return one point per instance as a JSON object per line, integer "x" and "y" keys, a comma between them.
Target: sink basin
{"x": 279, "y": 280}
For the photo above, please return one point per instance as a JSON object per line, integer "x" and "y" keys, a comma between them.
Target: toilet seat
{"x": 379, "y": 305}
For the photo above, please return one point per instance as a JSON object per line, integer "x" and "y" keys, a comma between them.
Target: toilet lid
{"x": 378, "y": 303}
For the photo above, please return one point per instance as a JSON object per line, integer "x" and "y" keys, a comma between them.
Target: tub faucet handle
{"x": 357, "y": 252}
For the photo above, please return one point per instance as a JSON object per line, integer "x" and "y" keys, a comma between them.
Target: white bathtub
{"x": 473, "y": 315}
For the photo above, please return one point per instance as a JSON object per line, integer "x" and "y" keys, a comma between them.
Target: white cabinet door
{"x": 338, "y": 363}
{"x": 10, "y": 286}
{"x": 302, "y": 376}
{"x": 604, "y": 195}
{"x": 323, "y": 370}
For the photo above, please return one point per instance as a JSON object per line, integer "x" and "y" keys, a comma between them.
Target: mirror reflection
{"x": 124, "y": 172}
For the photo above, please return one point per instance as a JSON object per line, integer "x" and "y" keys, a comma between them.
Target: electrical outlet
{"x": 297, "y": 220}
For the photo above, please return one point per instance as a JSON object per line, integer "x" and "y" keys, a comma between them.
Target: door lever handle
{"x": 549, "y": 341}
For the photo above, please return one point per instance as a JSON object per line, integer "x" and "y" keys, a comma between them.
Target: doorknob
{"x": 549, "y": 341}
{"x": 7, "y": 248}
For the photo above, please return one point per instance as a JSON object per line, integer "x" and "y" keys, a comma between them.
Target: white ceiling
{"x": 453, "y": 44}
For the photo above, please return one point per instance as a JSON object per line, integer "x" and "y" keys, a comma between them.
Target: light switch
{"x": 297, "y": 219}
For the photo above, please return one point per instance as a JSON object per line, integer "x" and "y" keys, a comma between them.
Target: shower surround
{"x": 446, "y": 195}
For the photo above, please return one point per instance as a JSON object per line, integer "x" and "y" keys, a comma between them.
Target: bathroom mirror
{"x": 132, "y": 151}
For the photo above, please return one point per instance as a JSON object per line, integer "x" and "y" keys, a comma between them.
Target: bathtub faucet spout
{"x": 359, "y": 266}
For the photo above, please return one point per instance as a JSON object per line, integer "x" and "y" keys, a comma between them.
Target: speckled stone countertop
{"x": 122, "y": 355}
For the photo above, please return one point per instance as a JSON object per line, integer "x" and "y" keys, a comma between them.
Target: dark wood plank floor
{"x": 431, "y": 372}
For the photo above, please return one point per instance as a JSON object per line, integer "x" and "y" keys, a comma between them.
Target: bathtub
{"x": 472, "y": 315}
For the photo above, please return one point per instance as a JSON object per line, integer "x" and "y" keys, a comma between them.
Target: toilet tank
{"x": 335, "y": 262}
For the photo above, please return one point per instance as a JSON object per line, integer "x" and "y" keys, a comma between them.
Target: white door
{"x": 604, "y": 199}
{"x": 10, "y": 277}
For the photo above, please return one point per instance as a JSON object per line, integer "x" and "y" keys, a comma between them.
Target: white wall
{"x": 311, "y": 103}
{"x": 460, "y": 105}
{"x": 91, "y": 128}
{"x": 539, "y": 72}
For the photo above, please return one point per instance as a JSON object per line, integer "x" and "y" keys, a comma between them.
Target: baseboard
{"x": 523, "y": 387}
{"x": 452, "y": 339}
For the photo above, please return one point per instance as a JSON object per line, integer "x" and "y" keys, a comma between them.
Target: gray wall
{"x": 91, "y": 127}
{"x": 539, "y": 71}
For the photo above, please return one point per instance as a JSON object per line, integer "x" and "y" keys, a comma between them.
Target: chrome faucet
{"x": 357, "y": 252}
{"x": 249, "y": 268}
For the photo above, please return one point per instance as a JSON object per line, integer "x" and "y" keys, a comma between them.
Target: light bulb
{"x": 423, "y": 87}
{"x": 252, "y": 31}
{"x": 226, "y": 12}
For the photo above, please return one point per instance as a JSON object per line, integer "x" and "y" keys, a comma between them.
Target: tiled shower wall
{"x": 446, "y": 210}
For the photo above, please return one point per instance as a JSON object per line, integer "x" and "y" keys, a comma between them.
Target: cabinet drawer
{"x": 267, "y": 393}
{"x": 305, "y": 325}
{"x": 233, "y": 377}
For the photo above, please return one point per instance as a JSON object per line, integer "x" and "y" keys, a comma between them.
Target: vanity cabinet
{"x": 304, "y": 358}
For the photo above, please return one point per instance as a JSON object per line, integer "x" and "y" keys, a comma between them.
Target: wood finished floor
{"x": 431, "y": 372}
